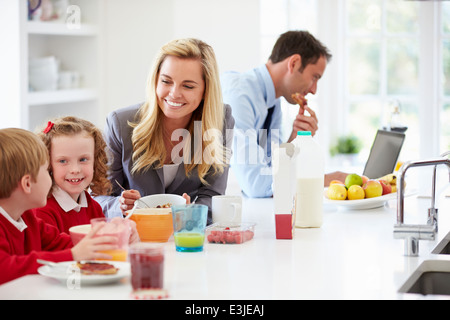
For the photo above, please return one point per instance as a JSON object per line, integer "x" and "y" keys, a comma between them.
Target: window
{"x": 382, "y": 68}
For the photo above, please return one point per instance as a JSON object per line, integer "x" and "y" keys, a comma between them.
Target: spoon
{"x": 120, "y": 185}
{"x": 135, "y": 207}
{"x": 47, "y": 263}
{"x": 54, "y": 266}
{"x": 135, "y": 203}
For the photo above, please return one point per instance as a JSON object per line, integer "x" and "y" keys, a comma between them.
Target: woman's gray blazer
{"x": 118, "y": 138}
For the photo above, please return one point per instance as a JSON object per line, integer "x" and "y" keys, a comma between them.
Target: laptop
{"x": 384, "y": 153}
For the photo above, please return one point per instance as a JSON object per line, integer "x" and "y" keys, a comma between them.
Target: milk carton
{"x": 284, "y": 173}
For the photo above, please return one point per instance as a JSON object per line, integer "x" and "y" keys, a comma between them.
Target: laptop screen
{"x": 383, "y": 154}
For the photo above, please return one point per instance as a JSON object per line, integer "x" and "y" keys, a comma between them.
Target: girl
{"x": 78, "y": 162}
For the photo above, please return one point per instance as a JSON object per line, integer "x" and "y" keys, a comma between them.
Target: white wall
{"x": 231, "y": 27}
{"x": 135, "y": 30}
{"x": 132, "y": 33}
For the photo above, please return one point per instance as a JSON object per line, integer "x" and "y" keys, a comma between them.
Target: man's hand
{"x": 304, "y": 122}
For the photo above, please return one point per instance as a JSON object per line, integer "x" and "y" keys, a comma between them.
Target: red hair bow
{"x": 49, "y": 127}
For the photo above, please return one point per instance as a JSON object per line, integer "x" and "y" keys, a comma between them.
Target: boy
{"x": 24, "y": 185}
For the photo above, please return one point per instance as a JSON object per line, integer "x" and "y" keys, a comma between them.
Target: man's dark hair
{"x": 302, "y": 43}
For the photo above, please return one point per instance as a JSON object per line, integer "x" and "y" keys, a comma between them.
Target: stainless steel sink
{"x": 431, "y": 277}
{"x": 444, "y": 246}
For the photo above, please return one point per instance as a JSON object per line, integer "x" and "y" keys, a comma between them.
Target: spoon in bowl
{"x": 135, "y": 207}
{"x": 135, "y": 203}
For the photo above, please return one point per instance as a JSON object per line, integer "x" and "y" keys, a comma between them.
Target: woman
{"x": 176, "y": 142}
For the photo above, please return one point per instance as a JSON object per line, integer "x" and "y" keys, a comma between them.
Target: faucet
{"x": 413, "y": 233}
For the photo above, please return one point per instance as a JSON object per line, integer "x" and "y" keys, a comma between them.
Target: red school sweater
{"x": 53, "y": 214}
{"x": 20, "y": 249}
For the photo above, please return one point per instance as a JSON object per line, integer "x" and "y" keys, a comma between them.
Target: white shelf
{"x": 61, "y": 96}
{"x": 59, "y": 28}
{"x": 77, "y": 50}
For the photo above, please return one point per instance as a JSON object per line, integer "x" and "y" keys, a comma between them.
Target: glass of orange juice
{"x": 116, "y": 227}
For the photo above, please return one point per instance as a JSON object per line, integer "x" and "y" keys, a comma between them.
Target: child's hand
{"x": 134, "y": 236}
{"x": 88, "y": 248}
{"x": 127, "y": 199}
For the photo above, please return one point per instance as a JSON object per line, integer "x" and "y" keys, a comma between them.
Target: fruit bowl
{"x": 368, "y": 203}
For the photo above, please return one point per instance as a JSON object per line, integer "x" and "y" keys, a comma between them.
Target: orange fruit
{"x": 336, "y": 182}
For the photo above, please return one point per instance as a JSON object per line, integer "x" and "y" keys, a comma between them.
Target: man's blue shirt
{"x": 251, "y": 94}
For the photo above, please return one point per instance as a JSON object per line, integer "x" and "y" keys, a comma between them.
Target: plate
{"x": 368, "y": 203}
{"x": 68, "y": 273}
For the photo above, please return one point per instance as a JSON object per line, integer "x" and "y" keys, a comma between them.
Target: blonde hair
{"x": 69, "y": 126}
{"x": 147, "y": 137}
{"x": 21, "y": 153}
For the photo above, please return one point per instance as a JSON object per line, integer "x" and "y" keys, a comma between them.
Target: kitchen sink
{"x": 431, "y": 277}
{"x": 444, "y": 246}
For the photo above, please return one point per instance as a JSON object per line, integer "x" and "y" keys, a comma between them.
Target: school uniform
{"x": 63, "y": 212}
{"x": 24, "y": 241}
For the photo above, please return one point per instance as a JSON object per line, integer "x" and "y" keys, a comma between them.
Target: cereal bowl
{"x": 160, "y": 200}
{"x": 154, "y": 224}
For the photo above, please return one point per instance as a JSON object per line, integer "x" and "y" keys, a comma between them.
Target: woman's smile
{"x": 174, "y": 104}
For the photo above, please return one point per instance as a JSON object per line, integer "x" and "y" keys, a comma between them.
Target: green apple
{"x": 353, "y": 179}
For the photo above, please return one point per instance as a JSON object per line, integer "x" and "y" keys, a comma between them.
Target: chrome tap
{"x": 413, "y": 233}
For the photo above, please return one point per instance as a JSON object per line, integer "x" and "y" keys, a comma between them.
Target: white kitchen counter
{"x": 352, "y": 256}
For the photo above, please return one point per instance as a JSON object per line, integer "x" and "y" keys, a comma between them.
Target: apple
{"x": 364, "y": 179}
{"x": 387, "y": 188}
{"x": 372, "y": 188}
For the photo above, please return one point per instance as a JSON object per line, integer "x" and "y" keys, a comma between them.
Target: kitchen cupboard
{"x": 75, "y": 43}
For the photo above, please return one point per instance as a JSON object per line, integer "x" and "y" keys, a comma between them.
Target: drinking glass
{"x": 189, "y": 223}
{"x": 147, "y": 266}
{"x": 117, "y": 227}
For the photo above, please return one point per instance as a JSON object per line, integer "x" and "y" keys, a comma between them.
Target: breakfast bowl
{"x": 79, "y": 232}
{"x": 154, "y": 223}
{"x": 161, "y": 200}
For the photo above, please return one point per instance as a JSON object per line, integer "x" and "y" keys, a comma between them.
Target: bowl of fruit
{"x": 360, "y": 192}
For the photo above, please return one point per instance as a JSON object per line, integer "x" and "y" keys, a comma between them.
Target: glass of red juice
{"x": 147, "y": 266}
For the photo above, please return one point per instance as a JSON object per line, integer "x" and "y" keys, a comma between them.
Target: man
{"x": 296, "y": 64}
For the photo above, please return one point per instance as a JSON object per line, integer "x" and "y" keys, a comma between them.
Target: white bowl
{"x": 42, "y": 61}
{"x": 43, "y": 82}
{"x": 155, "y": 200}
{"x": 43, "y": 77}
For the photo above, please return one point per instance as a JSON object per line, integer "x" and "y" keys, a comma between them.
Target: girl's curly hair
{"x": 69, "y": 126}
